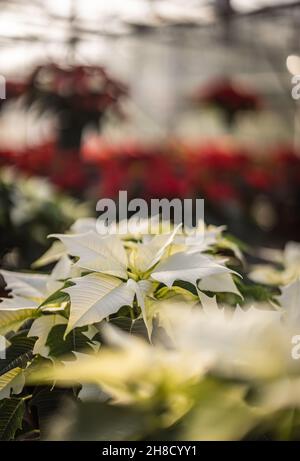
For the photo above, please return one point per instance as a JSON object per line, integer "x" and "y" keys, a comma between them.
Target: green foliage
{"x": 256, "y": 292}
{"x": 11, "y": 416}
{"x": 58, "y": 297}
{"x": 19, "y": 352}
{"x": 135, "y": 327}
{"x": 60, "y": 345}
{"x": 27, "y": 217}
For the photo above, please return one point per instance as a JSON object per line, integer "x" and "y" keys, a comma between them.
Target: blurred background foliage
{"x": 200, "y": 93}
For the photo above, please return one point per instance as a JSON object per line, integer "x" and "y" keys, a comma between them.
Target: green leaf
{"x": 187, "y": 286}
{"x": 256, "y": 292}
{"x": 239, "y": 243}
{"x": 19, "y": 353}
{"x": 136, "y": 327}
{"x": 57, "y": 297}
{"x": 75, "y": 341}
{"x": 11, "y": 415}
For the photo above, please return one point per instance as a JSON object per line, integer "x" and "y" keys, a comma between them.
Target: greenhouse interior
{"x": 150, "y": 222}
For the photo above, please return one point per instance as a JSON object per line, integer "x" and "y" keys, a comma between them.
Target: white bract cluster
{"x": 283, "y": 271}
{"x": 247, "y": 349}
{"x": 196, "y": 349}
{"x": 113, "y": 272}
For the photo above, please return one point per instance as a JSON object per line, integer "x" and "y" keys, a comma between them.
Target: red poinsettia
{"x": 85, "y": 88}
{"x": 259, "y": 178}
{"x": 220, "y": 192}
{"x": 229, "y": 96}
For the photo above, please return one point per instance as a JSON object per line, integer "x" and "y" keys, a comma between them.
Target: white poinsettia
{"x": 41, "y": 328}
{"x": 200, "y": 238}
{"x": 96, "y": 296}
{"x": 82, "y": 225}
{"x": 130, "y": 370}
{"x": 124, "y": 271}
{"x": 133, "y": 228}
{"x": 56, "y": 251}
{"x": 97, "y": 253}
{"x": 219, "y": 283}
{"x": 286, "y": 271}
{"x": 30, "y": 290}
{"x": 289, "y": 300}
{"x": 250, "y": 343}
{"x": 119, "y": 275}
{"x": 188, "y": 267}
{"x": 287, "y": 277}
